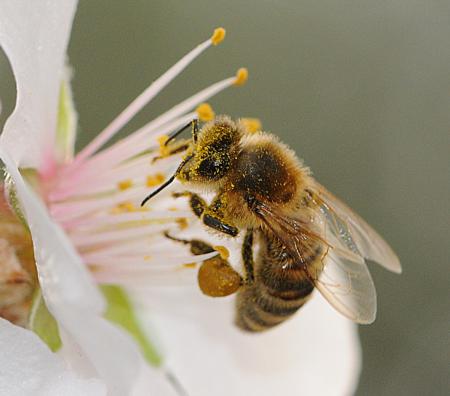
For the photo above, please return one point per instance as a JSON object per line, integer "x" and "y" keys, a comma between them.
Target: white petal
{"x": 114, "y": 355}
{"x": 62, "y": 276}
{"x": 34, "y": 36}
{"x": 315, "y": 353}
{"x": 28, "y": 367}
{"x": 75, "y": 301}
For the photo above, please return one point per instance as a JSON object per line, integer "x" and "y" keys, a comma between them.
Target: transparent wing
{"x": 342, "y": 278}
{"x": 352, "y": 231}
{"x": 347, "y": 285}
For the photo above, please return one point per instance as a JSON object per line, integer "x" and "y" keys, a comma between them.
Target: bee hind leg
{"x": 247, "y": 257}
{"x": 197, "y": 247}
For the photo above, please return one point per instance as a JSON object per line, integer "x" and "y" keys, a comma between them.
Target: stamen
{"x": 241, "y": 76}
{"x": 132, "y": 145}
{"x": 252, "y": 125}
{"x": 205, "y": 112}
{"x": 146, "y": 96}
{"x": 190, "y": 265}
{"x": 223, "y": 251}
{"x": 124, "y": 207}
{"x": 120, "y": 235}
{"x": 218, "y": 35}
{"x": 182, "y": 222}
{"x": 149, "y": 263}
{"x": 155, "y": 180}
{"x": 67, "y": 211}
{"x": 124, "y": 184}
{"x": 71, "y": 179}
{"x": 127, "y": 215}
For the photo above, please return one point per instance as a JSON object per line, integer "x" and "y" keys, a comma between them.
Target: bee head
{"x": 212, "y": 152}
{"x": 209, "y": 156}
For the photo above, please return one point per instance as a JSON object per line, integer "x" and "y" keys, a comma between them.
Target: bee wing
{"x": 343, "y": 278}
{"x": 353, "y": 232}
{"x": 347, "y": 285}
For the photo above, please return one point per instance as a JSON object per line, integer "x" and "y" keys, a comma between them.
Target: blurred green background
{"x": 360, "y": 89}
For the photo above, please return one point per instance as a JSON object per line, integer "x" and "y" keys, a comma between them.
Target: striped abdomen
{"x": 280, "y": 288}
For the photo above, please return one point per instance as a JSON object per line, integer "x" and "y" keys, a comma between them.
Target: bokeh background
{"x": 360, "y": 89}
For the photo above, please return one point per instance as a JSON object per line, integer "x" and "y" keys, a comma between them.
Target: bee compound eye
{"x": 208, "y": 167}
{"x": 213, "y": 168}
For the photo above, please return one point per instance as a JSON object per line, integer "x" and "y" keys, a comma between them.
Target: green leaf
{"x": 120, "y": 311}
{"x": 67, "y": 121}
{"x": 43, "y": 323}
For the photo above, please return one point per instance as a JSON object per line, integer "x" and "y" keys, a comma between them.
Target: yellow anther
{"x": 124, "y": 184}
{"x": 241, "y": 76}
{"x": 182, "y": 223}
{"x": 218, "y": 35}
{"x": 190, "y": 265}
{"x": 124, "y": 207}
{"x": 223, "y": 251}
{"x": 155, "y": 180}
{"x": 252, "y": 125}
{"x": 205, "y": 112}
{"x": 147, "y": 257}
{"x": 163, "y": 149}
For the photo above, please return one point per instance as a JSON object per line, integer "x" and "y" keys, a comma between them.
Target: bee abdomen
{"x": 260, "y": 308}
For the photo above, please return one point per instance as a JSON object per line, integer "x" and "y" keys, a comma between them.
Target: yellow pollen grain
{"x": 241, "y": 76}
{"x": 155, "y": 180}
{"x": 146, "y": 258}
{"x": 124, "y": 207}
{"x": 124, "y": 184}
{"x": 182, "y": 223}
{"x": 252, "y": 125}
{"x": 205, "y": 112}
{"x": 190, "y": 265}
{"x": 218, "y": 35}
{"x": 163, "y": 149}
{"x": 173, "y": 208}
{"x": 223, "y": 251}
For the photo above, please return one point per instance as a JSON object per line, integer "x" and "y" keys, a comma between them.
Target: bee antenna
{"x": 176, "y": 133}
{"x": 170, "y": 180}
{"x": 160, "y": 188}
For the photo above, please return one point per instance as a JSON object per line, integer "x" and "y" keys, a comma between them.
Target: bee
{"x": 308, "y": 239}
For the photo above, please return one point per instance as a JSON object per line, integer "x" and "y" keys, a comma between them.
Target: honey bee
{"x": 308, "y": 239}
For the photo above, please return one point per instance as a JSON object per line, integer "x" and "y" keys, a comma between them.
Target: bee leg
{"x": 213, "y": 217}
{"x": 194, "y": 130}
{"x": 216, "y": 277}
{"x": 198, "y": 204}
{"x": 210, "y": 215}
{"x": 218, "y": 224}
{"x": 197, "y": 247}
{"x": 175, "y": 148}
{"x": 247, "y": 257}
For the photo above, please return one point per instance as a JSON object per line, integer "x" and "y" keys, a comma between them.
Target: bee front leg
{"x": 213, "y": 217}
{"x": 197, "y": 203}
{"x": 219, "y": 225}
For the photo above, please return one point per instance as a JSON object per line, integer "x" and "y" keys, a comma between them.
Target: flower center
{"x": 18, "y": 277}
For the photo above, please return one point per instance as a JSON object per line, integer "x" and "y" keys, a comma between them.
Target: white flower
{"x": 83, "y": 216}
